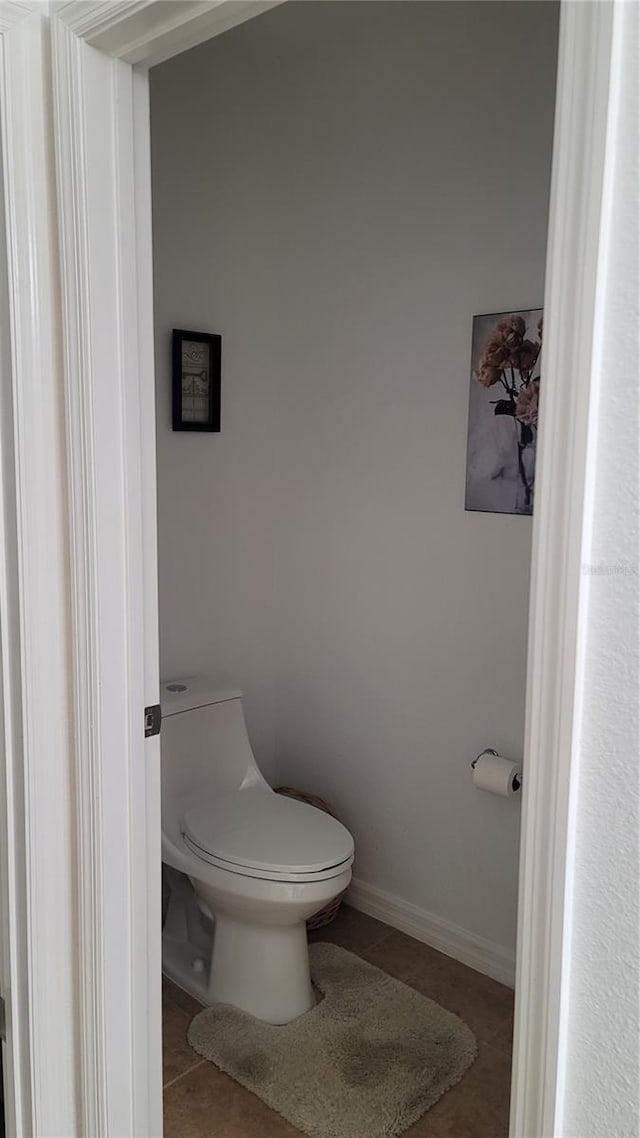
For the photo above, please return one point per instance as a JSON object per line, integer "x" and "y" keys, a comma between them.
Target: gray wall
{"x": 338, "y": 188}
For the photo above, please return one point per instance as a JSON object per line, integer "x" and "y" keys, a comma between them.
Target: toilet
{"x": 244, "y": 867}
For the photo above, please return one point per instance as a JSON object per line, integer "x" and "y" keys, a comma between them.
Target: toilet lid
{"x": 264, "y": 831}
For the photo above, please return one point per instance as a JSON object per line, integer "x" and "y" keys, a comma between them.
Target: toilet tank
{"x": 205, "y": 749}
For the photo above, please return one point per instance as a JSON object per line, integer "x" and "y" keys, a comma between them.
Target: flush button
{"x": 176, "y": 687}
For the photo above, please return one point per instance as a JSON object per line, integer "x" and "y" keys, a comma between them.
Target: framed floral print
{"x": 196, "y": 380}
{"x": 503, "y": 411}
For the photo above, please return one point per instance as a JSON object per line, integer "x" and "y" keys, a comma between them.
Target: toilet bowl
{"x": 247, "y": 867}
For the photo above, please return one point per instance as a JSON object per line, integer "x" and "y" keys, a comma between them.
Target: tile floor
{"x": 201, "y": 1102}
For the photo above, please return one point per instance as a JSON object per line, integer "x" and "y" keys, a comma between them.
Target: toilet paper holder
{"x": 490, "y": 751}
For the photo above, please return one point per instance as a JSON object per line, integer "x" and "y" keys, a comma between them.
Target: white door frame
{"x": 37, "y": 964}
{"x": 565, "y": 465}
{"x": 79, "y": 475}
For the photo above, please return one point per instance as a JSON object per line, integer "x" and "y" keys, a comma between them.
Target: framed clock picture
{"x": 196, "y": 379}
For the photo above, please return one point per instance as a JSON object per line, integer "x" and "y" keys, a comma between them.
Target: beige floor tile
{"x": 207, "y": 1104}
{"x": 403, "y": 956}
{"x": 175, "y": 997}
{"x": 177, "y": 1055}
{"x": 478, "y": 1107}
{"x": 352, "y": 930}
{"x": 503, "y": 1039}
{"x": 483, "y": 1004}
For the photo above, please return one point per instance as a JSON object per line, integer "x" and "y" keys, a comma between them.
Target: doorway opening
{"x": 331, "y": 195}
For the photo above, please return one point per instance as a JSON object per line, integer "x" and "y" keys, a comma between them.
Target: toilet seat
{"x": 257, "y": 833}
{"x": 286, "y": 876}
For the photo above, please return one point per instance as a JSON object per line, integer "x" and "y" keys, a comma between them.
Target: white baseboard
{"x": 474, "y": 951}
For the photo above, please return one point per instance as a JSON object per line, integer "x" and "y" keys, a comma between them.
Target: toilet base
{"x": 187, "y": 938}
{"x": 181, "y": 965}
{"x": 263, "y": 970}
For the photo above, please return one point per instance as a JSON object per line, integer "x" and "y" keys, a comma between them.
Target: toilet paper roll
{"x": 497, "y": 775}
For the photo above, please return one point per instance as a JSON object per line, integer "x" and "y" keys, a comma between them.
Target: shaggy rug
{"x": 366, "y": 1062}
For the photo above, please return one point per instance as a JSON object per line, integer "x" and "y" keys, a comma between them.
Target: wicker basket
{"x": 330, "y": 912}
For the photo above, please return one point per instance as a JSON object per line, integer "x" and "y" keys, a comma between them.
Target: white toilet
{"x": 259, "y": 863}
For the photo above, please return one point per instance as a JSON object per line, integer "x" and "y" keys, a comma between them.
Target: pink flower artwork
{"x": 503, "y": 412}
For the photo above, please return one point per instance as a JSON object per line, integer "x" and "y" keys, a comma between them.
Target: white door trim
{"x": 84, "y": 565}
{"x": 38, "y": 972}
{"x": 556, "y": 619}
{"x": 106, "y": 310}
{"x": 13, "y": 915}
{"x": 147, "y": 32}
{"x": 113, "y": 663}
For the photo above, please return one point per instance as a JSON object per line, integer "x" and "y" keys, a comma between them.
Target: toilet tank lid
{"x": 185, "y": 694}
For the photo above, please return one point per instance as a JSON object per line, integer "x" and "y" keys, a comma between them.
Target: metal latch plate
{"x": 152, "y": 720}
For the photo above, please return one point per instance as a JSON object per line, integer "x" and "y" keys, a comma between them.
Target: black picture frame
{"x": 196, "y": 380}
